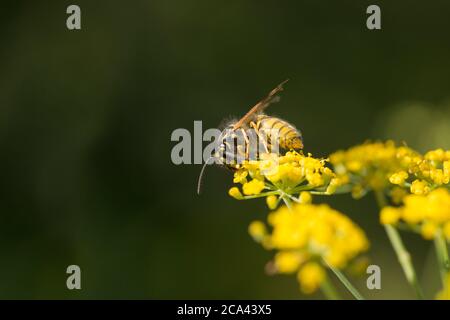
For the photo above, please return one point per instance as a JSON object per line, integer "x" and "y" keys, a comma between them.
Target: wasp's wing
{"x": 260, "y": 106}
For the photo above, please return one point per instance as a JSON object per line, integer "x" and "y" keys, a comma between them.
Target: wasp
{"x": 236, "y": 143}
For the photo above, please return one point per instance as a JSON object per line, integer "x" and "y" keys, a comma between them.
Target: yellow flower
{"x": 390, "y": 215}
{"x": 437, "y": 176}
{"x": 315, "y": 179}
{"x": 337, "y": 182}
{"x": 432, "y": 170}
{"x": 399, "y": 177}
{"x": 435, "y": 155}
{"x": 253, "y": 187}
{"x": 235, "y": 193}
{"x": 430, "y": 214}
{"x": 257, "y": 230}
{"x": 288, "y": 261}
{"x": 336, "y": 259}
{"x": 420, "y": 187}
{"x": 429, "y": 230}
{"x": 305, "y": 197}
{"x": 240, "y": 176}
{"x": 446, "y": 167}
{"x": 374, "y": 166}
{"x": 311, "y": 277}
{"x": 317, "y": 230}
{"x": 289, "y": 174}
{"x": 272, "y": 202}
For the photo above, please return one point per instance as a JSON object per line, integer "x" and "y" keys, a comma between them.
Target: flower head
{"x": 426, "y": 172}
{"x": 310, "y": 277}
{"x": 306, "y": 235}
{"x": 291, "y": 175}
{"x": 428, "y": 214}
{"x": 374, "y": 166}
{"x": 253, "y": 187}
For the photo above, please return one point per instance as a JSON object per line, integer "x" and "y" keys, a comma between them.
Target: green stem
{"x": 442, "y": 256}
{"x": 404, "y": 258}
{"x": 329, "y": 290}
{"x": 320, "y": 193}
{"x": 403, "y": 255}
{"x": 346, "y": 282}
{"x": 381, "y": 200}
{"x": 260, "y": 195}
{"x": 287, "y": 201}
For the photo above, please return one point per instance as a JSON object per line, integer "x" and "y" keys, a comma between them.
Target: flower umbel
{"x": 373, "y": 166}
{"x": 283, "y": 177}
{"x": 427, "y": 214}
{"x": 427, "y": 172}
{"x": 312, "y": 234}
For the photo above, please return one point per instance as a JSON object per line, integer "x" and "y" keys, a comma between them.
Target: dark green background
{"x": 86, "y": 118}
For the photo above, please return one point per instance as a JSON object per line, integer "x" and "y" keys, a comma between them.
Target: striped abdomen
{"x": 289, "y": 137}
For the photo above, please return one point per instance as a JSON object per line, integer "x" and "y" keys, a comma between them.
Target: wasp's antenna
{"x": 200, "y": 176}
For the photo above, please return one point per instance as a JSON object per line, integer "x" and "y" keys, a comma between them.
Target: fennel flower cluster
{"x": 424, "y": 173}
{"x": 308, "y": 237}
{"x": 283, "y": 178}
{"x": 412, "y": 192}
{"x": 428, "y": 214}
{"x": 369, "y": 166}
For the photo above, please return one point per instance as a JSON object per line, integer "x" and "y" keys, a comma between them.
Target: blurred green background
{"x": 86, "y": 118}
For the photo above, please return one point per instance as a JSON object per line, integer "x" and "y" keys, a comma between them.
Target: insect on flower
{"x": 254, "y": 134}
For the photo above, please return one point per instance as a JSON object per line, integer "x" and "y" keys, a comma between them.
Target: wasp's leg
{"x": 263, "y": 141}
{"x": 255, "y": 125}
{"x": 246, "y": 145}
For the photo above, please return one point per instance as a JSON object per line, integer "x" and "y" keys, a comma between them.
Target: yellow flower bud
{"x": 272, "y": 202}
{"x": 240, "y": 176}
{"x": 437, "y": 175}
{"x": 389, "y": 215}
{"x": 435, "y": 155}
{"x": 398, "y": 178}
{"x": 305, "y": 197}
{"x": 420, "y": 187}
{"x": 235, "y": 193}
{"x": 446, "y": 168}
{"x": 428, "y": 230}
{"x": 287, "y": 261}
{"x": 311, "y": 277}
{"x": 257, "y": 230}
{"x": 315, "y": 179}
{"x": 253, "y": 187}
